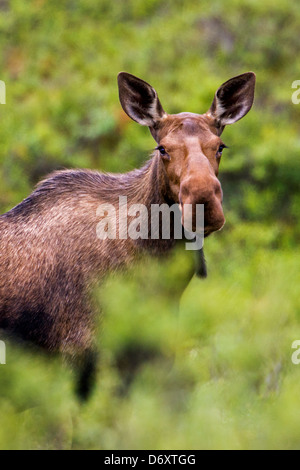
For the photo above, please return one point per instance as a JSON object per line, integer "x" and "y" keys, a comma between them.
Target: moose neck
{"x": 149, "y": 185}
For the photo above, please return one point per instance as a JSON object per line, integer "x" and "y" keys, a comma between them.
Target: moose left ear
{"x": 233, "y": 99}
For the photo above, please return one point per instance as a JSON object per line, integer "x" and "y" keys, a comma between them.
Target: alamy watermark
{"x": 2, "y": 92}
{"x": 159, "y": 221}
{"x": 2, "y": 353}
{"x": 296, "y": 94}
{"x": 296, "y": 354}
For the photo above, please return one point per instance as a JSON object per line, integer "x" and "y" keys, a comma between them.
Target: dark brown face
{"x": 190, "y": 144}
{"x": 191, "y": 152}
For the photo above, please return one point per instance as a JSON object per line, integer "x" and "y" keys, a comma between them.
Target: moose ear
{"x": 233, "y": 99}
{"x": 139, "y": 100}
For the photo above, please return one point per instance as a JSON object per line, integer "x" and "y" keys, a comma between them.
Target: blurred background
{"x": 210, "y": 368}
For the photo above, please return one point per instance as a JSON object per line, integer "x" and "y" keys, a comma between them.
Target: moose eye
{"x": 163, "y": 152}
{"x": 161, "y": 149}
{"x": 221, "y": 148}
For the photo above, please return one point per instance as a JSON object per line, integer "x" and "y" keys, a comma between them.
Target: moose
{"x": 50, "y": 253}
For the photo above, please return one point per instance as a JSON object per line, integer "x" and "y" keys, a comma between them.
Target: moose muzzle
{"x": 208, "y": 193}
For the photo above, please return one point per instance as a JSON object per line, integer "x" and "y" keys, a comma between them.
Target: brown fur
{"x": 51, "y": 253}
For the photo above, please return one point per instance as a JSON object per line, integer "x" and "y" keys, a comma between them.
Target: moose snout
{"x": 194, "y": 198}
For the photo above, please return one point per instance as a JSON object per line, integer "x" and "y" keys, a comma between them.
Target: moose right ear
{"x": 139, "y": 100}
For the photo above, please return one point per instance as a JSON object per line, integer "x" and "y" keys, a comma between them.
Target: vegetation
{"x": 213, "y": 371}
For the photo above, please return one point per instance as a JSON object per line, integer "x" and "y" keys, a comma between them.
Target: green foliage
{"x": 216, "y": 371}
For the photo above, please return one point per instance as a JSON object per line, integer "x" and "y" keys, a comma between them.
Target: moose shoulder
{"x": 50, "y": 252}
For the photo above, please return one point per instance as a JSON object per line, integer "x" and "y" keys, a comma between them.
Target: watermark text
{"x": 159, "y": 221}
{"x": 2, "y": 353}
{"x": 296, "y": 354}
{"x": 2, "y": 92}
{"x": 296, "y": 94}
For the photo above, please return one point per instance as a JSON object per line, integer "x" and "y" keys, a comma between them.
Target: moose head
{"x": 189, "y": 144}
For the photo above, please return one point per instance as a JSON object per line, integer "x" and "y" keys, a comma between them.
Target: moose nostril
{"x": 184, "y": 192}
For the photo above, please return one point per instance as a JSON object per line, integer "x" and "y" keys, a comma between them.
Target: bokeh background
{"x": 208, "y": 366}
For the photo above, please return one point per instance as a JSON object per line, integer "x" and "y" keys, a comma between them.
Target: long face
{"x": 191, "y": 151}
{"x": 190, "y": 145}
